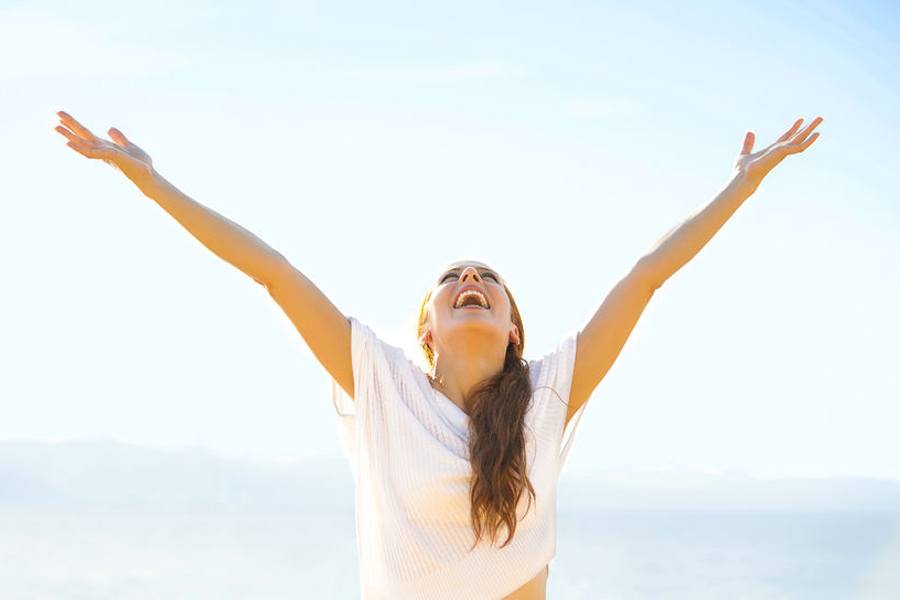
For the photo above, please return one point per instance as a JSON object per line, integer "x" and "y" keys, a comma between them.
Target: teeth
{"x": 475, "y": 293}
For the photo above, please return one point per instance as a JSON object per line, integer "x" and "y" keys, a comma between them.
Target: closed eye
{"x": 485, "y": 274}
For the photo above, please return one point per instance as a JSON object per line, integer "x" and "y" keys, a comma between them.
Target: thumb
{"x": 749, "y": 138}
{"x": 118, "y": 137}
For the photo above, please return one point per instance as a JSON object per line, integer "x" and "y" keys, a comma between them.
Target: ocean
{"x": 91, "y": 520}
{"x": 608, "y": 554}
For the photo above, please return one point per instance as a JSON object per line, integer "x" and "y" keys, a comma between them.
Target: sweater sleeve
{"x": 552, "y": 380}
{"x": 380, "y": 369}
{"x": 360, "y": 339}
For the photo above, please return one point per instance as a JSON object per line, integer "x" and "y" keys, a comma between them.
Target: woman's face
{"x": 447, "y": 322}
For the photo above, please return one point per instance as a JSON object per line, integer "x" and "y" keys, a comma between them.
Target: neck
{"x": 457, "y": 371}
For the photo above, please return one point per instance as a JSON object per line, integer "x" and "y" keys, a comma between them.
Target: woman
{"x": 455, "y": 469}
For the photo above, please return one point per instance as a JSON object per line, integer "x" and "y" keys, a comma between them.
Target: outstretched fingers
{"x": 750, "y": 137}
{"x": 70, "y": 122}
{"x": 88, "y": 150}
{"x": 71, "y": 136}
{"x": 803, "y": 140}
{"x": 77, "y": 143}
{"x": 794, "y": 148}
{"x": 787, "y": 134}
{"x": 800, "y": 137}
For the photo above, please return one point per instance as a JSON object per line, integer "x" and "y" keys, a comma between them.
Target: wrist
{"x": 743, "y": 181}
{"x": 144, "y": 176}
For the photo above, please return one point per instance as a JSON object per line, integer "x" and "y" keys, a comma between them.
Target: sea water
{"x": 604, "y": 554}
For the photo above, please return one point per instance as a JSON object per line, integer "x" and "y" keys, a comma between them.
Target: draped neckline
{"x": 457, "y": 417}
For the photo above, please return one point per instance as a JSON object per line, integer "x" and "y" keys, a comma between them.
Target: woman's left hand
{"x": 756, "y": 165}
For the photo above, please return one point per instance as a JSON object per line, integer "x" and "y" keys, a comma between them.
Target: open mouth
{"x": 472, "y": 298}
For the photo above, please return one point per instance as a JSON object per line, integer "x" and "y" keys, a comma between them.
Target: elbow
{"x": 646, "y": 273}
{"x": 275, "y": 269}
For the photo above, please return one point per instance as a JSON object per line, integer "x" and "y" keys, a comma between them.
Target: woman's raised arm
{"x": 682, "y": 243}
{"x": 601, "y": 340}
{"x": 324, "y": 328}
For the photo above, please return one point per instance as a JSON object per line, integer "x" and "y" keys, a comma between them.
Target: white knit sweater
{"x": 406, "y": 444}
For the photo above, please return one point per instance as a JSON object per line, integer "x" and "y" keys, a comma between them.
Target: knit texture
{"x": 407, "y": 448}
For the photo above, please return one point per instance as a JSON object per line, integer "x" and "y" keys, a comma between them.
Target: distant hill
{"x": 685, "y": 489}
{"x": 107, "y": 475}
{"x": 112, "y": 475}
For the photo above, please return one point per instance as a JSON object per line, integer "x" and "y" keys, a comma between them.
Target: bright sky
{"x": 372, "y": 143}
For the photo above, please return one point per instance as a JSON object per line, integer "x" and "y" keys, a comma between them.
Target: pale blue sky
{"x": 370, "y": 144}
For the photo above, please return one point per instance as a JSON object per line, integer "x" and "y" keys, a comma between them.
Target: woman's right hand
{"x": 121, "y": 153}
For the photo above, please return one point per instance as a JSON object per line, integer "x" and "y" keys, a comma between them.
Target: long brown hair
{"x": 497, "y": 449}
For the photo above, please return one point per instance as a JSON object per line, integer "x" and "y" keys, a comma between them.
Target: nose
{"x": 467, "y": 272}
